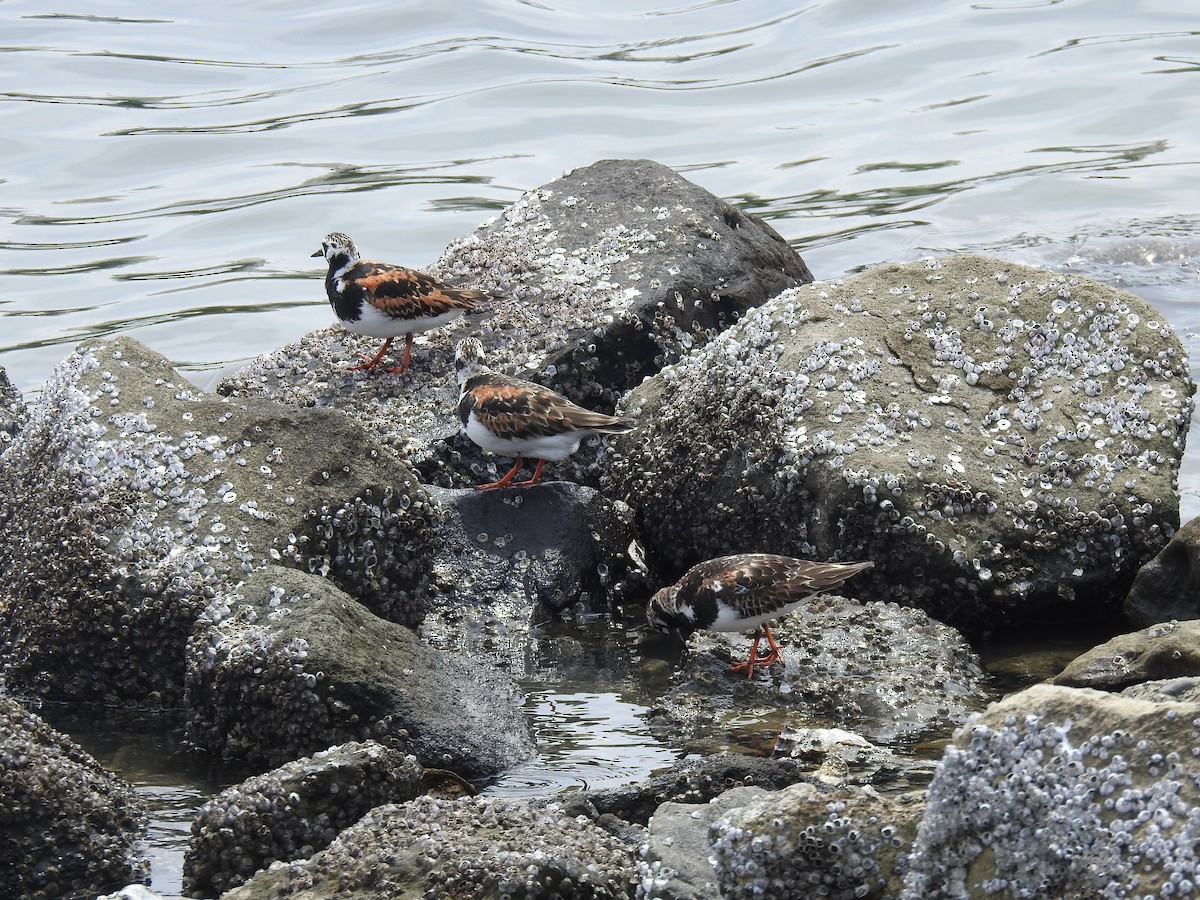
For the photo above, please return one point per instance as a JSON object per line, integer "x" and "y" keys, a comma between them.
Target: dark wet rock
{"x": 476, "y": 847}
{"x": 288, "y": 664}
{"x": 1168, "y": 586}
{"x": 13, "y": 413}
{"x": 294, "y": 811}
{"x": 131, "y": 498}
{"x": 815, "y": 841}
{"x": 1002, "y": 441}
{"x": 68, "y": 828}
{"x": 678, "y": 858}
{"x": 609, "y": 273}
{"x": 511, "y": 559}
{"x": 1063, "y": 792}
{"x": 888, "y": 672}
{"x": 1168, "y": 650}
{"x": 695, "y": 781}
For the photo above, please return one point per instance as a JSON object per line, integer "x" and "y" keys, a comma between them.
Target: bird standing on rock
{"x": 514, "y": 417}
{"x": 744, "y": 591}
{"x": 385, "y": 301}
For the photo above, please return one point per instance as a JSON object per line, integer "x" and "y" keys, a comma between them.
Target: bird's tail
{"x": 618, "y": 425}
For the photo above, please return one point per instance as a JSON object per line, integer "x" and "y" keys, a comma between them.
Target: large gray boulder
{"x": 1168, "y": 586}
{"x": 1063, "y": 792}
{"x": 68, "y": 828}
{"x": 288, "y": 664}
{"x": 509, "y": 560}
{"x": 486, "y": 847}
{"x": 606, "y": 274}
{"x": 131, "y": 498}
{"x": 999, "y": 439}
{"x": 294, "y": 811}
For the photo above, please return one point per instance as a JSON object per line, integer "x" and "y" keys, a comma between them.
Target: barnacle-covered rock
{"x": 999, "y": 439}
{"x": 293, "y": 811}
{"x": 889, "y": 672}
{"x": 607, "y": 274}
{"x": 68, "y": 828}
{"x": 131, "y": 498}
{"x": 1064, "y": 792}
{"x": 827, "y": 843}
{"x": 510, "y": 558}
{"x": 480, "y": 847}
{"x": 288, "y": 664}
{"x": 12, "y": 411}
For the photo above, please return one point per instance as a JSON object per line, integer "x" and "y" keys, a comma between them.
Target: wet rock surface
{"x": 476, "y": 847}
{"x": 1063, "y": 792}
{"x": 1168, "y": 650}
{"x": 67, "y": 827}
{"x": 885, "y": 671}
{"x": 511, "y": 560}
{"x": 155, "y": 496}
{"x": 293, "y": 811}
{"x": 1003, "y": 441}
{"x": 695, "y": 781}
{"x": 288, "y": 664}
{"x": 1168, "y": 586}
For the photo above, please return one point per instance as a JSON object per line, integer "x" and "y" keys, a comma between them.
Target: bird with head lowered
{"x": 744, "y": 591}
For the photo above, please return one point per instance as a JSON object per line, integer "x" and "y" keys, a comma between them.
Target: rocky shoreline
{"x": 299, "y": 563}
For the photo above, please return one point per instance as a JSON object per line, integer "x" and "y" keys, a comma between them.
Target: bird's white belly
{"x": 553, "y": 447}
{"x": 375, "y": 324}
{"x": 728, "y": 620}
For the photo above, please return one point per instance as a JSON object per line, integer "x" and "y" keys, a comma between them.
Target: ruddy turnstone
{"x": 518, "y": 418}
{"x": 744, "y": 591}
{"x": 386, "y": 301}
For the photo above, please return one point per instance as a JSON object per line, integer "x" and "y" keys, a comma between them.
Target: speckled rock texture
{"x": 817, "y": 842}
{"x": 13, "y": 413}
{"x": 1184, "y": 690}
{"x": 608, "y": 273}
{"x": 999, "y": 439}
{"x": 1168, "y": 650}
{"x": 288, "y": 664}
{"x": 888, "y": 672}
{"x": 68, "y": 828}
{"x": 482, "y": 847}
{"x": 292, "y": 812}
{"x": 508, "y": 560}
{"x": 1168, "y": 586}
{"x": 1064, "y": 792}
{"x": 131, "y": 498}
{"x": 677, "y": 863}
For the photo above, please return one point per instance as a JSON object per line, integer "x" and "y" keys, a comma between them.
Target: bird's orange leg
{"x": 774, "y": 654}
{"x": 537, "y": 476}
{"x": 403, "y": 367}
{"x": 507, "y": 479}
{"x": 748, "y": 665}
{"x": 371, "y": 363}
